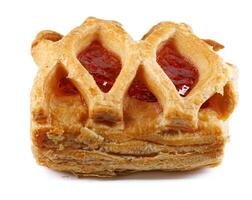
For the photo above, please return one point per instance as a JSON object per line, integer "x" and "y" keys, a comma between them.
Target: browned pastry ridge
{"x": 89, "y": 132}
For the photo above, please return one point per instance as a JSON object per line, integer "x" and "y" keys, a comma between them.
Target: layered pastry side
{"x": 104, "y": 105}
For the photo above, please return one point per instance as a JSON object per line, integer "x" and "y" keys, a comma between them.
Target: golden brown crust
{"x": 216, "y": 46}
{"x": 97, "y": 163}
{"x": 105, "y": 134}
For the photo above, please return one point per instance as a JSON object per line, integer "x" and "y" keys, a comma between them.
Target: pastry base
{"x": 111, "y": 159}
{"x": 86, "y": 163}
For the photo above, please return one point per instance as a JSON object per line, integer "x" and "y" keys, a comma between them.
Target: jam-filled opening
{"x": 139, "y": 90}
{"x": 62, "y": 85}
{"x": 101, "y": 63}
{"x": 62, "y": 95}
{"x": 179, "y": 69}
{"x": 66, "y": 87}
{"x": 67, "y": 107}
{"x": 140, "y": 104}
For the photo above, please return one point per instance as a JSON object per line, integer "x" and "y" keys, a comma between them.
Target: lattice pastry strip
{"x": 213, "y": 73}
{"x": 102, "y": 106}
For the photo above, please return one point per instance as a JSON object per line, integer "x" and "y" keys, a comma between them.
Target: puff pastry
{"x": 103, "y": 104}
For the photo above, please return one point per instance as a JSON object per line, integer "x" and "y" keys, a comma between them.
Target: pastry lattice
{"x": 114, "y": 123}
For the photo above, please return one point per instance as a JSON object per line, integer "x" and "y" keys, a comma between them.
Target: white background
{"x": 228, "y": 22}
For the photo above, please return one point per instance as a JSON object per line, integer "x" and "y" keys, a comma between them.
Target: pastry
{"x": 103, "y": 104}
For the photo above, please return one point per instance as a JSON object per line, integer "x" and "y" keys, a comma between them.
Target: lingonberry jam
{"x": 182, "y": 73}
{"x": 66, "y": 87}
{"x": 105, "y": 66}
{"x": 102, "y": 64}
{"x": 138, "y": 90}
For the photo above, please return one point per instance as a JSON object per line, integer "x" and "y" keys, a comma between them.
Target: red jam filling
{"x": 102, "y": 64}
{"x": 66, "y": 87}
{"x": 182, "y": 73}
{"x": 105, "y": 66}
{"x": 138, "y": 90}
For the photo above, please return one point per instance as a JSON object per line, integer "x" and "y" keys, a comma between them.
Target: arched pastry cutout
{"x": 222, "y": 104}
{"x": 59, "y": 84}
{"x": 63, "y": 86}
{"x": 101, "y": 63}
{"x": 140, "y": 104}
{"x": 139, "y": 90}
{"x": 61, "y": 94}
{"x": 180, "y": 70}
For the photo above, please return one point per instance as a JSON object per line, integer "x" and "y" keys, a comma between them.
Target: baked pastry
{"x": 103, "y": 104}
